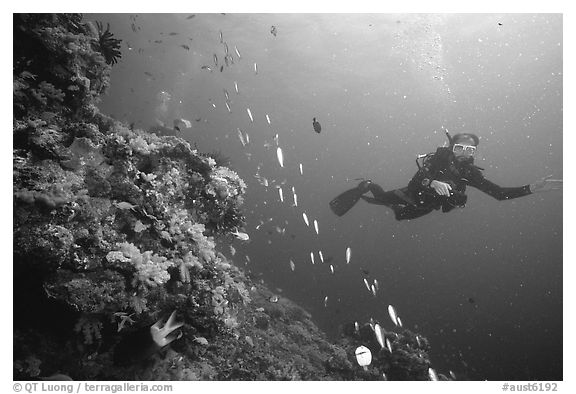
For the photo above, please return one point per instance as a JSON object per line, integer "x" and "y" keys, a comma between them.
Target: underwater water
{"x": 484, "y": 283}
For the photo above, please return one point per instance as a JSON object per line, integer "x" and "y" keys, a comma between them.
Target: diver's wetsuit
{"x": 418, "y": 198}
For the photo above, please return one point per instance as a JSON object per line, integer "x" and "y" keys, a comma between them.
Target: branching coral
{"x": 151, "y": 269}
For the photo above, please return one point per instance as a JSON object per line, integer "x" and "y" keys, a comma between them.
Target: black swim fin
{"x": 345, "y": 201}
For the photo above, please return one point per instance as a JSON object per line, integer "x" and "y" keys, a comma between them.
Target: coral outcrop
{"x": 115, "y": 228}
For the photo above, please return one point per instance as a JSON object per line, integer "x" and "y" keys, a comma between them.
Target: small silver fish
{"x": 241, "y": 236}
{"x": 388, "y": 345}
{"x": 379, "y": 336}
{"x": 226, "y": 49}
{"x": 301, "y": 169}
{"x": 236, "y": 87}
{"x": 255, "y": 68}
{"x": 367, "y": 285}
{"x": 124, "y": 205}
{"x": 348, "y": 255}
{"x": 393, "y": 315}
{"x": 226, "y": 95}
{"x": 221, "y": 37}
{"x": 237, "y": 52}
{"x": 326, "y": 302}
{"x": 228, "y": 106}
{"x": 241, "y": 137}
{"x": 215, "y": 60}
{"x": 332, "y": 269}
{"x": 201, "y": 340}
{"x": 321, "y": 256}
{"x": 312, "y": 257}
{"x": 305, "y": 218}
{"x": 280, "y": 156}
{"x": 250, "y": 115}
{"x": 292, "y": 265}
{"x": 316, "y": 226}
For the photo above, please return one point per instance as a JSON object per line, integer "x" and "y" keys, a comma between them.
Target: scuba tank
{"x": 429, "y": 155}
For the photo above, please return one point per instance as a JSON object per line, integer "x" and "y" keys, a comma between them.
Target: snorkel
{"x": 449, "y": 137}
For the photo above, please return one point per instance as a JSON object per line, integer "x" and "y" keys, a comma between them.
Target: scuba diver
{"x": 440, "y": 182}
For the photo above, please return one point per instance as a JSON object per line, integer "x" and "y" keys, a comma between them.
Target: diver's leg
{"x": 382, "y": 197}
{"x": 409, "y": 212}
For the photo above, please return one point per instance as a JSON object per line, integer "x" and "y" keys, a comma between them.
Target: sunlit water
{"x": 484, "y": 284}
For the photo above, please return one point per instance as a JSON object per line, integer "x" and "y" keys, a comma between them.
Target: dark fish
{"x": 471, "y": 300}
{"x": 273, "y": 30}
{"x": 190, "y": 16}
{"x": 206, "y": 68}
{"x": 226, "y": 60}
{"x": 316, "y": 125}
{"x": 149, "y": 74}
{"x": 158, "y": 41}
{"x": 173, "y": 34}
{"x": 221, "y": 68}
{"x": 185, "y": 47}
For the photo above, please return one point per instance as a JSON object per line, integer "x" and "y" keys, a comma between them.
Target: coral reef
{"x": 115, "y": 228}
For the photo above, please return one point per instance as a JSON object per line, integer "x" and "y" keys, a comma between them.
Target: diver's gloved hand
{"x": 442, "y": 188}
{"x": 546, "y": 184}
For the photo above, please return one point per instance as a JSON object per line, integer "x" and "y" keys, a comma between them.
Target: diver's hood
{"x": 460, "y": 136}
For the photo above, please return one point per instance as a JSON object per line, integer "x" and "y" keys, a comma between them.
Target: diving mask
{"x": 461, "y": 148}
